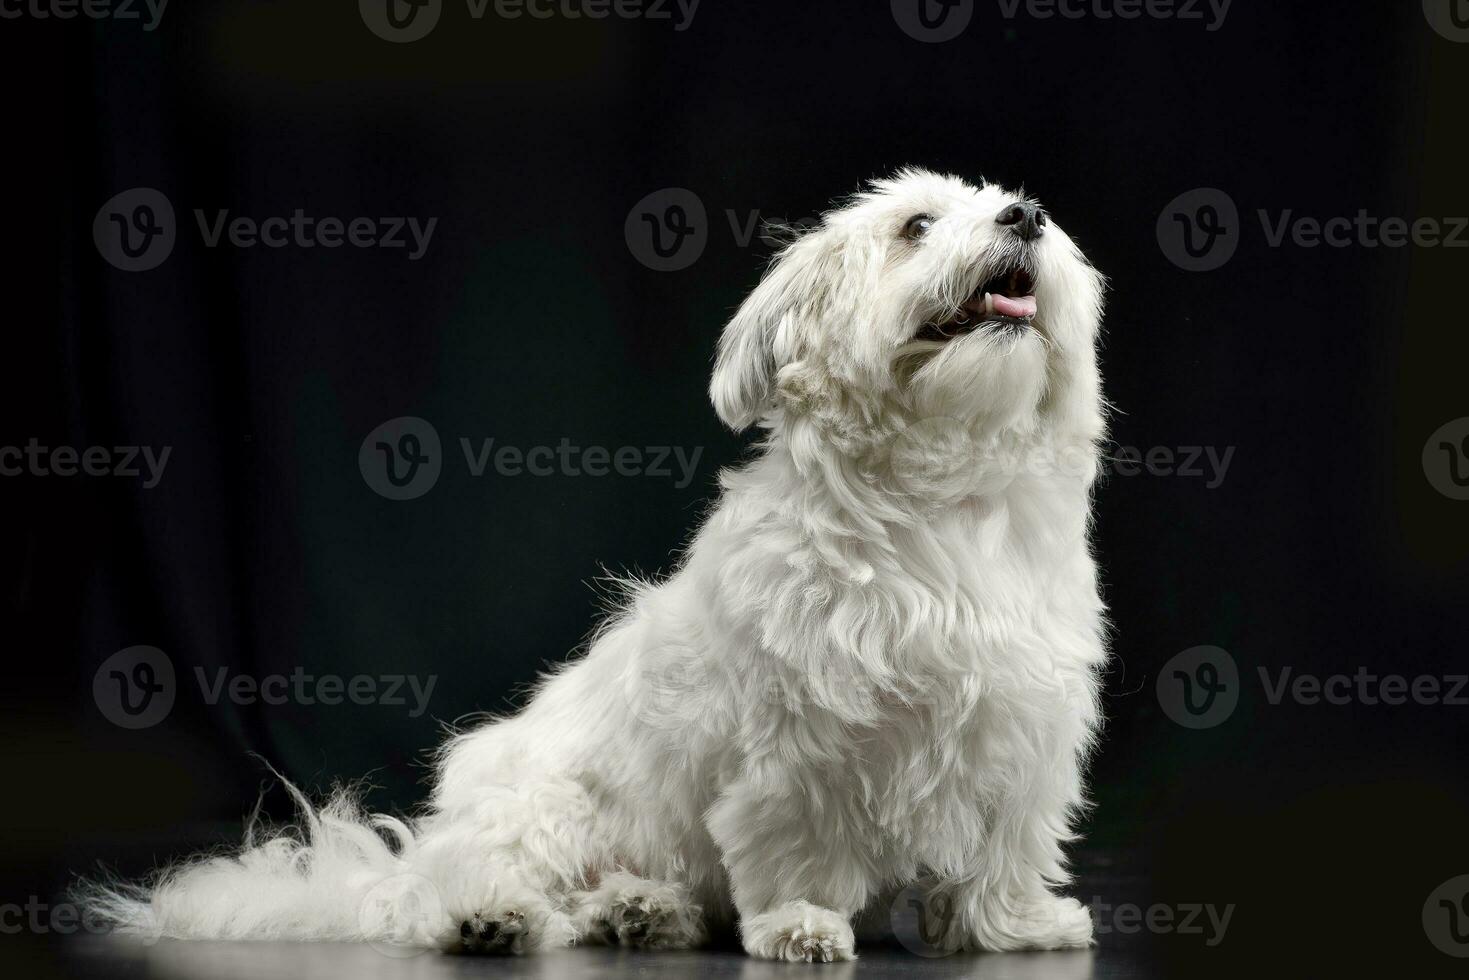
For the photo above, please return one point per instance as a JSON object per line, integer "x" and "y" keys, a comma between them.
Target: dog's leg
{"x": 1027, "y": 918}
{"x": 489, "y": 902}
{"x": 1007, "y": 902}
{"x": 789, "y": 854}
{"x": 513, "y": 921}
{"x": 501, "y": 866}
{"x": 627, "y": 910}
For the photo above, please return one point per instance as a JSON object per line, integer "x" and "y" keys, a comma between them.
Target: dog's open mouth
{"x": 1007, "y": 300}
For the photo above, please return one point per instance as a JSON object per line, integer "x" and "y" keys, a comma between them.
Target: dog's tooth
{"x": 989, "y": 303}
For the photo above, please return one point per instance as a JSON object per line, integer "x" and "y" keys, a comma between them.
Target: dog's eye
{"x": 917, "y": 226}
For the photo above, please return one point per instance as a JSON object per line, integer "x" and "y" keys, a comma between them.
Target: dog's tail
{"x": 337, "y": 874}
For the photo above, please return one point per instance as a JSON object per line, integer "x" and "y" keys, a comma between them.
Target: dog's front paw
{"x": 625, "y": 909}
{"x": 510, "y": 928}
{"x": 654, "y": 921}
{"x": 1049, "y": 923}
{"x": 799, "y": 932}
{"x": 504, "y": 931}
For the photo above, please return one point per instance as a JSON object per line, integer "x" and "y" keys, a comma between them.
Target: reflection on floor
{"x": 889, "y": 945}
{"x": 101, "y": 957}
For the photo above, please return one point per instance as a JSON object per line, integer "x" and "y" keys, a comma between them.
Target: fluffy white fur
{"x": 877, "y": 660}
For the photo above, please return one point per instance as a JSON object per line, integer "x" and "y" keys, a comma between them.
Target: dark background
{"x": 531, "y": 320}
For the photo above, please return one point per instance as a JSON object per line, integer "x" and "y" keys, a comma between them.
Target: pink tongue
{"x": 1018, "y": 307}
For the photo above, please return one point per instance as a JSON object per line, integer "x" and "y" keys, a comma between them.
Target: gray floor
{"x": 101, "y": 957}
{"x": 887, "y": 947}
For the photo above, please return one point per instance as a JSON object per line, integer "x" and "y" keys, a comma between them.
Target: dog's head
{"x": 924, "y": 296}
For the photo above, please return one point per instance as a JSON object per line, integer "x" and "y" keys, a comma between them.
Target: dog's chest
{"x": 996, "y": 668}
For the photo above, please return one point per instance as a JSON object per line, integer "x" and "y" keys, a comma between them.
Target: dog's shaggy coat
{"x": 877, "y": 662}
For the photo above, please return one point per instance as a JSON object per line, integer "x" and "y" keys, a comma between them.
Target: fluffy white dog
{"x": 877, "y": 662}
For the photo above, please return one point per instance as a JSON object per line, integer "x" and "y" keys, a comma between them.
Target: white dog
{"x": 876, "y": 663}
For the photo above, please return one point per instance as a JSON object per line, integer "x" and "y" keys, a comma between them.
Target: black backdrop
{"x": 530, "y": 319}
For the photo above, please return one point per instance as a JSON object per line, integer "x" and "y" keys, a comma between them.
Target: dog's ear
{"x": 768, "y": 329}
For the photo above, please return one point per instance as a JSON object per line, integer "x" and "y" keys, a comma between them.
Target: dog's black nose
{"x": 1024, "y": 219}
